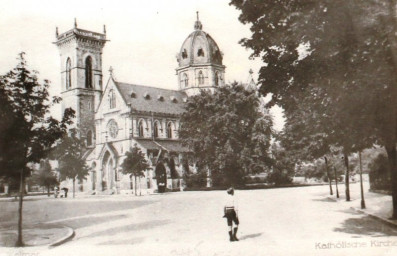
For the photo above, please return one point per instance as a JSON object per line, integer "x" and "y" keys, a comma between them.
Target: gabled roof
{"x": 152, "y": 99}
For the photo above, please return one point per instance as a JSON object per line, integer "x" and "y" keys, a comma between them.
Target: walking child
{"x": 230, "y": 211}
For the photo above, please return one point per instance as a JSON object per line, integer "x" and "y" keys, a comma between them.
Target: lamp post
{"x": 361, "y": 182}
{"x": 336, "y": 183}
{"x": 328, "y": 176}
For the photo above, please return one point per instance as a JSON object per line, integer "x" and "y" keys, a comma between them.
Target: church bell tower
{"x": 81, "y": 76}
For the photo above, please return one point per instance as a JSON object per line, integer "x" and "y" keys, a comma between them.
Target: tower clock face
{"x": 113, "y": 129}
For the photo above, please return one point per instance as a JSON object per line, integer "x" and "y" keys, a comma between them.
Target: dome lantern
{"x": 197, "y": 24}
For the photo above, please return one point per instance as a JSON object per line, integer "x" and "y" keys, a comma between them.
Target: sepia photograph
{"x": 198, "y": 127}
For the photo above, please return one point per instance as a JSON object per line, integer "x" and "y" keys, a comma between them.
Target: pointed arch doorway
{"x": 109, "y": 173}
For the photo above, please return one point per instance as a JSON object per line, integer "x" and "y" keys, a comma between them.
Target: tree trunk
{"x": 336, "y": 183}
{"x": 361, "y": 182}
{"x": 135, "y": 184}
{"x": 19, "y": 242}
{"x": 328, "y": 176}
{"x": 74, "y": 180}
{"x": 347, "y": 174}
{"x": 48, "y": 190}
{"x": 392, "y": 157}
{"x": 140, "y": 189}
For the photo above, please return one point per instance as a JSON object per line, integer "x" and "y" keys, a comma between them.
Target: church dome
{"x": 199, "y": 48}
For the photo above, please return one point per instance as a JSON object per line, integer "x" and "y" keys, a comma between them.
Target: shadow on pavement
{"x": 90, "y": 221}
{"x": 351, "y": 212}
{"x": 128, "y": 228}
{"x": 124, "y": 242}
{"x": 326, "y": 199}
{"x": 366, "y": 226}
{"x": 250, "y": 236}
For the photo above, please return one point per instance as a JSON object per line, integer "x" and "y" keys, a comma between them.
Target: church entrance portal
{"x": 161, "y": 176}
{"x": 108, "y": 172}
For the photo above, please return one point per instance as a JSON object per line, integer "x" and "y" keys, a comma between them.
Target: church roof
{"x": 163, "y": 144}
{"x": 173, "y": 146}
{"x": 151, "y": 99}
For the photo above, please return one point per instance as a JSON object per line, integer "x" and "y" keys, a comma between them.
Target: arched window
{"x": 201, "y": 77}
{"x": 140, "y": 129}
{"x": 169, "y": 130}
{"x": 89, "y": 138}
{"x": 216, "y": 78}
{"x": 185, "y": 80}
{"x": 68, "y": 73}
{"x": 112, "y": 99}
{"x": 88, "y": 72}
{"x": 156, "y": 130}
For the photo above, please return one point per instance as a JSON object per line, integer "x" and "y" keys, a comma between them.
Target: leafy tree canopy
{"x": 333, "y": 60}
{"x": 28, "y": 132}
{"x": 227, "y": 133}
{"x": 135, "y": 162}
{"x": 69, "y": 153}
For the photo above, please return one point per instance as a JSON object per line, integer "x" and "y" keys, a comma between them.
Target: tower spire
{"x": 197, "y": 24}
{"x": 75, "y": 23}
{"x": 251, "y": 85}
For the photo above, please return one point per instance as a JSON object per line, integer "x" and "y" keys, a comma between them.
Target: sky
{"x": 145, "y": 37}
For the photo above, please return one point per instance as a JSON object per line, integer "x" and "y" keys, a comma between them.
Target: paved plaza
{"x": 284, "y": 221}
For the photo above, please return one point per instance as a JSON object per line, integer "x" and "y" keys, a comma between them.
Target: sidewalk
{"x": 378, "y": 206}
{"x": 38, "y": 235}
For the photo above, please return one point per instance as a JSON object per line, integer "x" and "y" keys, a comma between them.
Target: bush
{"x": 254, "y": 179}
{"x": 279, "y": 178}
{"x": 379, "y": 177}
{"x": 194, "y": 180}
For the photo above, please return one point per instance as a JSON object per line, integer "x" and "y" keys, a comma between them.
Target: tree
{"x": 283, "y": 168}
{"x": 28, "y": 132}
{"x": 135, "y": 163}
{"x": 45, "y": 176}
{"x": 227, "y": 133}
{"x": 69, "y": 152}
{"x": 341, "y": 56}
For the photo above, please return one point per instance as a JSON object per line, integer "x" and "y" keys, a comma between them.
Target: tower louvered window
{"x": 88, "y": 72}
{"x": 68, "y": 74}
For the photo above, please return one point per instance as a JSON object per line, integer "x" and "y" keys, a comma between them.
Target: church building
{"x": 113, "y": 116}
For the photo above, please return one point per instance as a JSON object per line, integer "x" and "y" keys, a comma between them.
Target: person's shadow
{"x": 250, "y": 236}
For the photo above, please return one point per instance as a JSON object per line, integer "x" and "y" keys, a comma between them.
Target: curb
{"x": 64, "y": 239}
{"x": 386, "y": 221}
